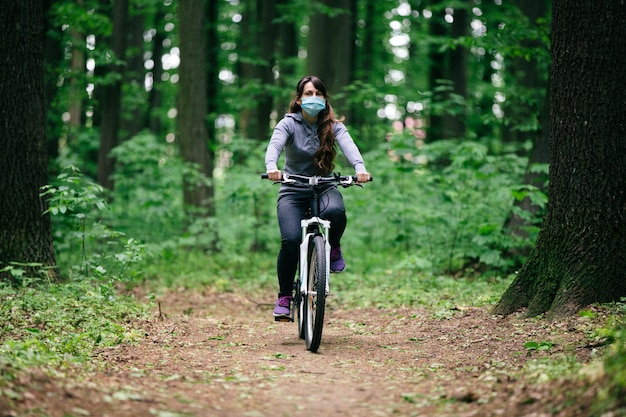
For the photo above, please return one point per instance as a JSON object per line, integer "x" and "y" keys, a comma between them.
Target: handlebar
{"x": 344, "y": 180}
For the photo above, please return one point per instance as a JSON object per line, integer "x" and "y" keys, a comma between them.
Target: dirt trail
{"x": 215, "y": 354}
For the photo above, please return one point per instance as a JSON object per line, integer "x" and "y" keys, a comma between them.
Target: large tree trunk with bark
{"x": 192, "y": 109}
{"x": 25, "y": 231}
{"x": 579, "y": 257}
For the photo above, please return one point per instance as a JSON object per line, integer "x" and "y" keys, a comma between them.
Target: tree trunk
{"x": 255, "y": 69}
{"x": 53, "y": 57}
{"x": 436, "y": 73}
{"x": 454, "y": 118}
{"x": 579, "y": 257}
{"x": 112, "y": 97}
{"x": 192, "y": 109}
{"x": 213, "y": 65}
{"x": 25, "y": 231}
{"x": 77, "y": 86}
{"x": 527, "y": 76}
{"x": 155, "y": 96}
{"x": 286, "y": 54}
{"x": 448, "y": 74}
{"x": 540, "y": 154}
{"x": 134, "y": 114}
{"x": 331, "y": 51}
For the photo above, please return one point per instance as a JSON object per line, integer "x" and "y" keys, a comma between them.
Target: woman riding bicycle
{"x": 308, "y": 135}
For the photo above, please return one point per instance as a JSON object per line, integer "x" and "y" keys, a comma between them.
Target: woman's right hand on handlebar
{"x": 275, "y": 175}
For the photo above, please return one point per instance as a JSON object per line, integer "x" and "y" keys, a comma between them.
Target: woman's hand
{"x": 275, "y": 175}
{"x": 362, "y": 177}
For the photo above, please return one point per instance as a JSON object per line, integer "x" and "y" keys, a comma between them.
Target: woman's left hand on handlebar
{"x": 362, "y": 177}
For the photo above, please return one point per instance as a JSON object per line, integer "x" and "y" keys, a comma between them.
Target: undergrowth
{"x": 429, "y": 231}
{"x": 60, "y": 325}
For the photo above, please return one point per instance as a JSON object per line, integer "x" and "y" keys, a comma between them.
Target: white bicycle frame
{"x": 304, "y": 252}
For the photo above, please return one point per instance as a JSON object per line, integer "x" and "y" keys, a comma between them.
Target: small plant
{"x": 538, "y": 346}
{"x": 76, "y": 203}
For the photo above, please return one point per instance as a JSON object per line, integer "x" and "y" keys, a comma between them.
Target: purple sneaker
{"x": 337, "y": 264}
{"x": 282, "y": 306}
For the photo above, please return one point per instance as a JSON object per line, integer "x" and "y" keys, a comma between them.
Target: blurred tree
{"x": 25, "y": 231}
{"x": 134, "y": 94}
{"x": 213, "y": 65}
{"x": 192, "y": 109}
{"x": 448, "y": 70}
{"x": 330, "y": 53}
{"x": 112, "y": 95}
{"x": 579, "y": 256}
{"x": 368, "y": 70}
{"x": 53, "y": 57}
{"x": 526, "y": 70}
{"x": 529, "y": 102}
{"x": 256, "y": 67}
{"x": 155, "y": 96}
{"x": 286, "y": 53}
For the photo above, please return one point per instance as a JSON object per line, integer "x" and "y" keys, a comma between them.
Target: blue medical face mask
{"x": 313, "y": 105}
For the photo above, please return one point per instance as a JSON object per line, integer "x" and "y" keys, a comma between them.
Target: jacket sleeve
{"x": 349, "y": 148}
{"x": 276, "y": 145}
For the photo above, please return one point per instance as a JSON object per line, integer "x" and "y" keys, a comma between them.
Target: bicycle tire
{"x": 299, "y": 308}
{"x": 315, "y": 298}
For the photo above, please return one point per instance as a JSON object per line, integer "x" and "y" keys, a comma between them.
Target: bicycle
{"x": 313, "y": 283}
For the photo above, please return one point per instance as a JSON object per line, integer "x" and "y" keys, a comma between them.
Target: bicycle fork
{"x": 304, "y": 250}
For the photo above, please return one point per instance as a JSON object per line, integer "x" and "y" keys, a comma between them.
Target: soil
{"x": 222, "y": 354}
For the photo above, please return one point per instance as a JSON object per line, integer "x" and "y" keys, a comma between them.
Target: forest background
{"x": 158, "y": 114}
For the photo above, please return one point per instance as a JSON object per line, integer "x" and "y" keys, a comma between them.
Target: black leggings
{"x": 291, "y": 209}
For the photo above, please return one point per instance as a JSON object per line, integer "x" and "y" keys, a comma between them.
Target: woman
{"x": 308, "y": 135}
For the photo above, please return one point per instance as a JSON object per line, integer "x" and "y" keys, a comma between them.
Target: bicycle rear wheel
{"x": 315, "y": 297}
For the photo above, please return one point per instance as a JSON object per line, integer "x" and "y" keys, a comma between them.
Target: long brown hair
{"x": 324, "y": 158}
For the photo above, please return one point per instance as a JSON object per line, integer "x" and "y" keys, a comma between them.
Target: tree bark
{"x": 25, "y": 231}
{"x": 579, "y": 257}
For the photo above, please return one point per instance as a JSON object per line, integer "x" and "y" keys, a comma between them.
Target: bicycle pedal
{"x": 283, "y": 318}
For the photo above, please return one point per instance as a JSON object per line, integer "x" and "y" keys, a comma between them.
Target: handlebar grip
{"x": 264, "y": 176}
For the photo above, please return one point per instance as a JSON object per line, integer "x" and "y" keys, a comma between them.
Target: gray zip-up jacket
{"x": 299, "y": 140}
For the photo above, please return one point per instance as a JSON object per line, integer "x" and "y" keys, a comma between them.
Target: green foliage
{"x": 148, "y": 181}
{"x": 444, "y": 205}
{"x": 539, "y": 346}
{"x": 93, "y": 249}
{"x": 74, "y": 193}
{"x": 393, "y": 287}
{"x": 19, "y": 272}
{"x": 61, "y": 324}
{"x": 612, "y": 397}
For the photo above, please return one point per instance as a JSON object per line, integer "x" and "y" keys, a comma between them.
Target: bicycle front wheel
{"x": 299, "y": 308}
{"x": 315, "y": 297}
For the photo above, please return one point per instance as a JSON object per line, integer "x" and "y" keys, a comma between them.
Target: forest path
{"x": 212, "y": 354}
